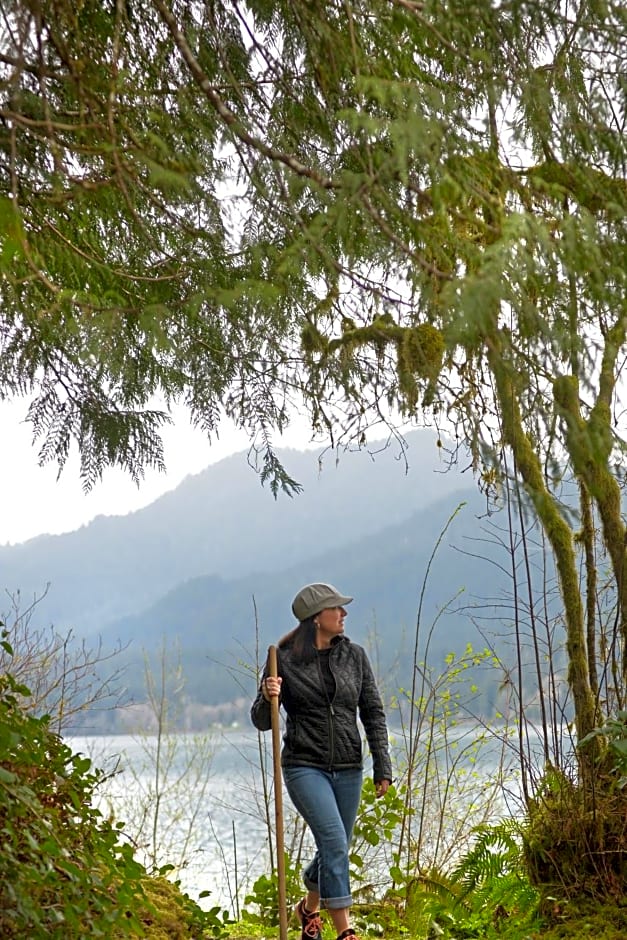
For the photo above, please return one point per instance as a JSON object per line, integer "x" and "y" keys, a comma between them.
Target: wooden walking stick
{"x": 278, "y": 797}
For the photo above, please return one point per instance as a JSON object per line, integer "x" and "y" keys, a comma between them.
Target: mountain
{"x": 205, "y": 574}
{"x": 223, "y": 523}
{"x": 218, "y": 623}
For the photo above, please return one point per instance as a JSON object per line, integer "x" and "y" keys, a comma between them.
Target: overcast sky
{"x": 34, "y": 501}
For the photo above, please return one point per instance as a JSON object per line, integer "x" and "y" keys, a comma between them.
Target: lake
{"x": 209, "y": 798}
{"x": 211, "y": 815}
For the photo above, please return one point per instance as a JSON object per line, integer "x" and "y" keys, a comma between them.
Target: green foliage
{"x": 427, "y": 165}
{"x": 64, "y": 871}
{"x": 486, "y": 894}
{"x": 264, "y": 896}
{"x": 614, "y": 732}
{"x": 118, "y": 281}
{"x": 377, "y": 823}
{"x": 347, "y": 210}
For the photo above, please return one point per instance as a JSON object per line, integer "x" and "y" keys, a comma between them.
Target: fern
{"x": 487, "y": 888}
{"x": 496, "y": 852}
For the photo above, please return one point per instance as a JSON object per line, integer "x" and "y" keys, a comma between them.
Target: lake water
{"x": 211, "y": 812}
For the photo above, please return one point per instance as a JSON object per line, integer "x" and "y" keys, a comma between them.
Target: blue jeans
{"x": 328, "y": 802}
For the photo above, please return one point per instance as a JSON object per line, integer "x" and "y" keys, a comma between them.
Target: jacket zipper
{"x": 331, "y": 735}
{"x": 330, "y": 712}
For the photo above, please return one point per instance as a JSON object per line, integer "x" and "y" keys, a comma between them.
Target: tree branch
{"x": 224, "y": 112}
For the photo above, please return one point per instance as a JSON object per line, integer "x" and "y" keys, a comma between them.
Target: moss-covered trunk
{"x": 589, "y": 444}
{"x": 561, "y": 538}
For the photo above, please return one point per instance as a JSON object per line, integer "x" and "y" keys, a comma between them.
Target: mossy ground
{"x": 593, "y": 921}
{"x": 572, "y": 921}
{"x": 169, "y": 915}
{"x": 594, "y": 928}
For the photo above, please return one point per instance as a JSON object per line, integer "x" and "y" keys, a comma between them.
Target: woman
{"x": 324, "y": 681}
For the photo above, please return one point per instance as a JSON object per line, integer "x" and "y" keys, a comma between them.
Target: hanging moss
{"x": 591, "y": 188}
{"x": 382, "y": 329}
{"x": 423, "y": 350}
{"x": 311, "y": 340}
{"x": 408, "y": 388}
{"x": 420, "y": 351}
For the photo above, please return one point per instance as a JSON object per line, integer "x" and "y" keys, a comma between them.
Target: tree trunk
{"x": 561, "y": 539}
{"x": 589, "y": 444}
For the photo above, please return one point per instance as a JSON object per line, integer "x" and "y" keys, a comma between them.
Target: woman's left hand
{"x": 381, "y": 787}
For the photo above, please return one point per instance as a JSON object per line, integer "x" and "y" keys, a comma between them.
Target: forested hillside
{"x": 223, "y": 522}
{"x": 214, "y": 618}
{"x": 203, "y": 577}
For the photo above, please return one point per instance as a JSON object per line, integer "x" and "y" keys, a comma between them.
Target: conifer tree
{"x": 366, "y": 209}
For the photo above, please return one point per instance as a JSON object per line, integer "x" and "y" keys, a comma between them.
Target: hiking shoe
{"x": 310, "y": 922}
{"x": 348, "y": 934}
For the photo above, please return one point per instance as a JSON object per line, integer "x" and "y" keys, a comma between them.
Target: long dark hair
{"x": 301, "y": 640}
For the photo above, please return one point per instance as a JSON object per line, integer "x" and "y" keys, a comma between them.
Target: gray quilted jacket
{"x": 322, "y": 731}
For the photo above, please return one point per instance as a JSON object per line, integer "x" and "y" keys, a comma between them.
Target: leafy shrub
{"x": 377, "y": 824}
{"x": 64, "y": 872}
{"x": 614, "y": 733}
{"x": 264, "y": 896}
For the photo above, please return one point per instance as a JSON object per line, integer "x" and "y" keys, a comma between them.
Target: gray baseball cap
{"x": 313, "y": 598}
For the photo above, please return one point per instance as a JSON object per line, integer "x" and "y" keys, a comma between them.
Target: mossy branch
{"x": 589, "y": 445}
{"x": 590, "y": 188}
{"x": 559, "y": 534}
{"x": 419, "y": 351}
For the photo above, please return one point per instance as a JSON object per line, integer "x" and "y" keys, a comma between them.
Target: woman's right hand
{"x": 271, "y": 686}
